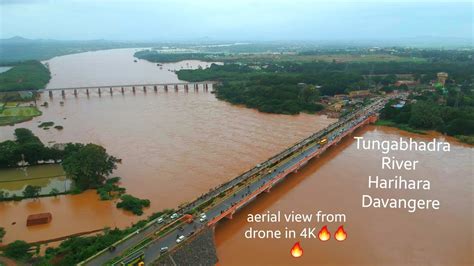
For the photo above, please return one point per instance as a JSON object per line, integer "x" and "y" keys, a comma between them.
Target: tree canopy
{"x": 89, "y": 165}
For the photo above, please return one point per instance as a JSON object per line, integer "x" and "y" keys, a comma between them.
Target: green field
{"x": 31, "y": 172}
{"x": 13, "y": 115}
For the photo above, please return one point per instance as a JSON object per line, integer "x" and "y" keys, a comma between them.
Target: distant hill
{"x": 17, "y": 49}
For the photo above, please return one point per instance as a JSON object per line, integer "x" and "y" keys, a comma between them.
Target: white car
{"x": 181, "y": 238}
{"x": 160, "y": 220}
{"x": 203, "y": 218}
{"x": 174, "y": 216}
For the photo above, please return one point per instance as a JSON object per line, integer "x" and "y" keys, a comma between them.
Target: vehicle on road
{"x": 174, "y": 216}
{"x": 160, "y": 220}
{"x": 180, "y": 238}
{"x": 203, "y": 218}
{"x": 163, "y": 250}
{"x": 190, "y": 233}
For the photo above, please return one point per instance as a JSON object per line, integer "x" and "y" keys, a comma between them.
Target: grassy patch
{"x": 14, "y": 115}
{"x": 404, "y": 127}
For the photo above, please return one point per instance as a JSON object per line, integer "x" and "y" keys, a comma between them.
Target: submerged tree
{"x": 89, "y": 166}
{"x": 31, "y": 191}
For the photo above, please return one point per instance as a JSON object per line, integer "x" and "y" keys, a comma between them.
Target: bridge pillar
{"x": 100, "y": 93}
{"x": 166, "y": 88}
{"x": 50, "y": 94}
{"x": 196, "y": 87}
{"x": 268, "y": 189}
{"x": 75, "y": 93}
{"x": 186, "y": 88}
{"x": 176, "y": 87}
{"x": 87, "y": 92}
{"x": 111, "y": 92}
{"x": 144, "y": 88}
{"x": 121, "y": 89}
{"x": 206, "y": 87}
{"x": 155, "y": 88}
{"x": 63, "y": 93}
{"x": 133, "y": 89}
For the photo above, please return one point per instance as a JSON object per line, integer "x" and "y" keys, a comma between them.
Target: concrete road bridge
{"x": 223, "y": 201}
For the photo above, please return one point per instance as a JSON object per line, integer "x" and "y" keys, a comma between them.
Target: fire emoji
{"x": 296, "y": 251}
{"x": 340, "y": 234}
{"x": 324, "y": 234}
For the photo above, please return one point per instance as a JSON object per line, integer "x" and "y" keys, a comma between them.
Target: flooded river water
{"x": 176, "y": 146}
{"x": 335, "y": 184}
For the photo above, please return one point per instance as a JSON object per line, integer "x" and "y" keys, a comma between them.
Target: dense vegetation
{"x": 110, "y": 189}
{"x": 2, "y": 233}
{"x": 17, "y": 250}
{"x": 451, "y": 113}
{"x": 157, "y": 57}
{"x": 272, "y": 86}
{"x": 133, "y": 204}
{"x": 29, "y": 75}
{"x": 88, "y": 165}
{"x": 28, "y": 147}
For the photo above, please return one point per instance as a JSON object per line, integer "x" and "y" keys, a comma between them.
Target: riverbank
{"x": 405, "y": 127}
{"x": 387, "y": 123}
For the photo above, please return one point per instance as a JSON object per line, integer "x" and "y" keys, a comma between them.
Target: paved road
{"x": 152, "y": 251}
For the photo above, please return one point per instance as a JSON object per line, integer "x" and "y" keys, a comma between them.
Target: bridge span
{"x": 111, "y": 89}
{"x": 224, "y": 200}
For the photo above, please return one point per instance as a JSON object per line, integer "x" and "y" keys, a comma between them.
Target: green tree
{"x": 2, "y": 233}
{"x": 89, "y": 166}
{"x": 9, "y": 154}
{"x": 425, "y": 115}
{"x": 24, "y": 135}
{"x": 133, "y": 204}
{"x": 31, "y": 191}
{"x": 3, "y": 195}
{"x": 54, "y": 192}
{"x": 17, "y": 250}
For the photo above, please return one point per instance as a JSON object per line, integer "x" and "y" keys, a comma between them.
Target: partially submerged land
{"x": 29, "y": 76}
{"x": 12, "y": 113}
{"x": 89, "y": 166}
{"x": 274, "y": 83}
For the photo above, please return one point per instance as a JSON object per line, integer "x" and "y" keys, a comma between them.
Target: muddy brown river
{"x": 176, "y": 146}
{"x": 335, "y": 184}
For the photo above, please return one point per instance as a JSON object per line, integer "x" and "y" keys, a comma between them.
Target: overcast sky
{"x": 234, "y": 19}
